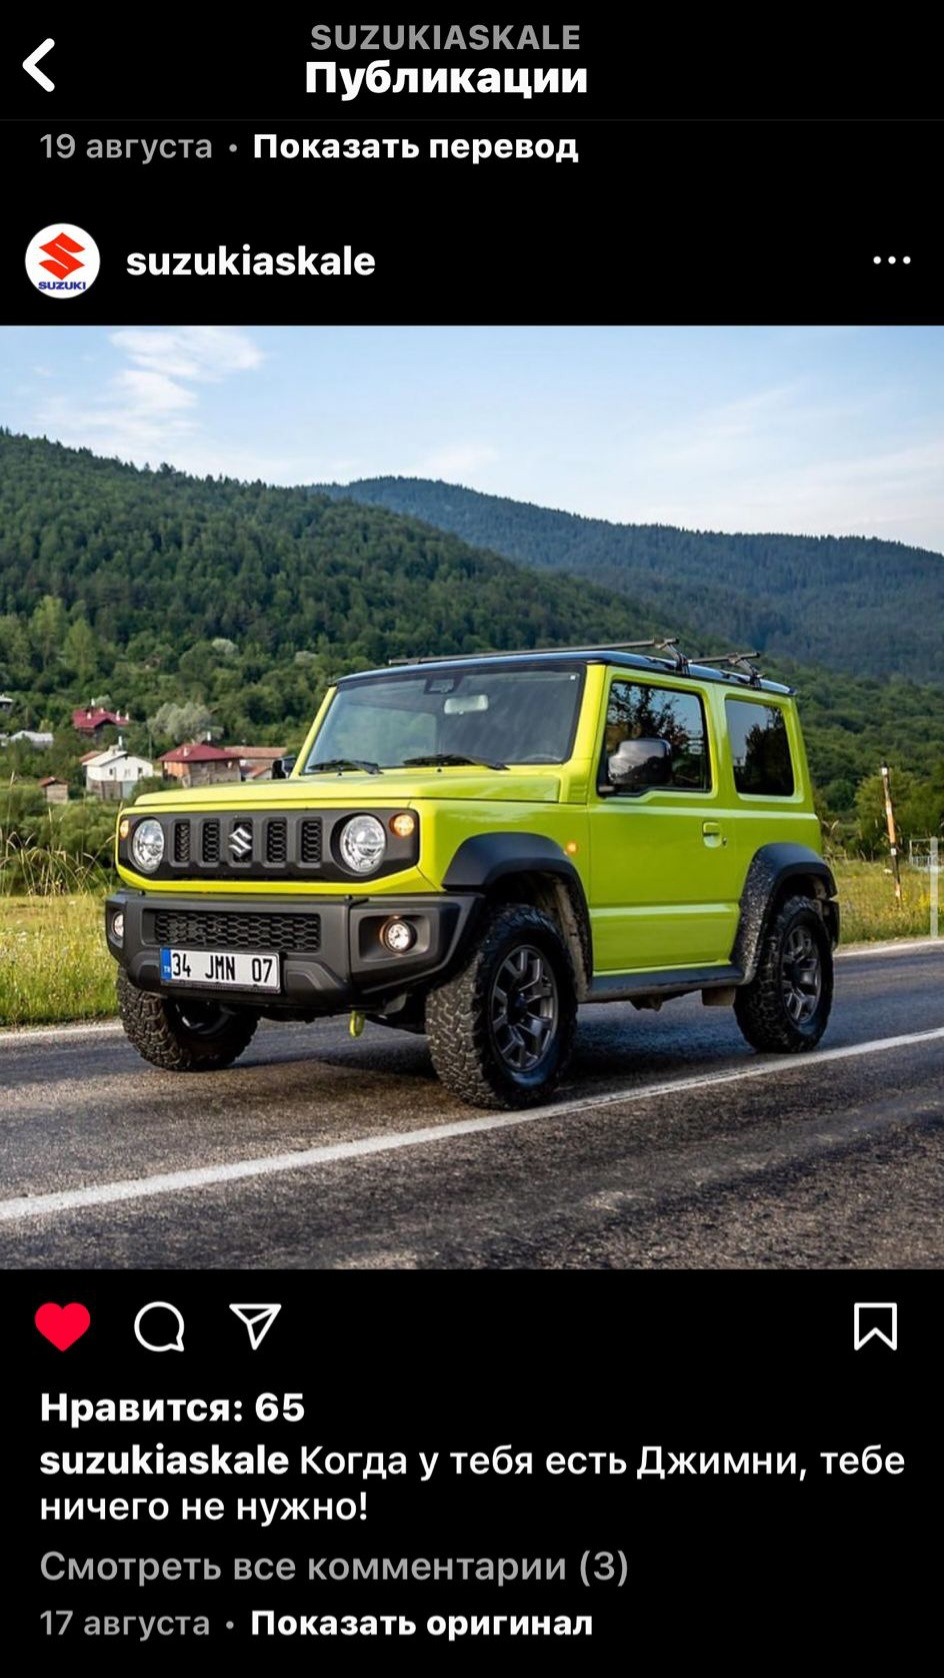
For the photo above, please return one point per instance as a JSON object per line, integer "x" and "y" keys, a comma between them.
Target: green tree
{"x": 48, "y": 626}
{"x": 80, "y": 651}
{"x": 178, "y": 722}
{"x": 15, "y": 668}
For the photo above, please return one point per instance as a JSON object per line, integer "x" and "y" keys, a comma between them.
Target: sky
{"x": 829, "y": 430}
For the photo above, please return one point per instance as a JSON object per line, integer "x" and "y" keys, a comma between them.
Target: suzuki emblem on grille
{"x": 240, "y": 841}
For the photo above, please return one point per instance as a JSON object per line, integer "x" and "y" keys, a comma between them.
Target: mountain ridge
{"x": 155, "y": 584}
{"x": 783, "y": 594}
{"x": 157, "y": 592}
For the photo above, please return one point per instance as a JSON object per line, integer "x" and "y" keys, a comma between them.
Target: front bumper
{"x": 330, "y": 951}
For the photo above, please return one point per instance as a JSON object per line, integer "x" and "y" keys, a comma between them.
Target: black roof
{"x": 673, "y": 664}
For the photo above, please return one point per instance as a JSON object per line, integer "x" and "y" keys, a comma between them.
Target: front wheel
{"x": 180, "y": 1035}
{"x": 502, "y": 1030}
{"x": 786, "y": 1007}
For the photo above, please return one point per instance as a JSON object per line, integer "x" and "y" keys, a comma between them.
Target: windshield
{"x": 489, "y": 716}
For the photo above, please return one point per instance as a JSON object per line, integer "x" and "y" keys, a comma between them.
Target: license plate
{"x": 237, "y": 970}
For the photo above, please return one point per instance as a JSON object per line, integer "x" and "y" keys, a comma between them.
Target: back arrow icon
{"x": 29, "y": 64}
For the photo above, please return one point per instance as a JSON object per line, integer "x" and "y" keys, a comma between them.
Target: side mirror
{"x": 282, "y": 768}
{"x": 639, "y": 764}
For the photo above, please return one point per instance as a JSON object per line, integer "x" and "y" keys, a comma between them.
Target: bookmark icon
{"x": 873, "y": 1321}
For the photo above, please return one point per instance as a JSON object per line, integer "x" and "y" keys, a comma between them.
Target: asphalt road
{"x": 671, "y": 1145}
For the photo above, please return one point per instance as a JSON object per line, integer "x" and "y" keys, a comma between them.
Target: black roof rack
{"x": 517, "y": 652}
{"x": 652, "y": 654}
{"x": 668, "y": 647}
{"x": 739, "y": 661}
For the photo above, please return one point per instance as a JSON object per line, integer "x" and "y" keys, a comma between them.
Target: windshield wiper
{"x": 447, "y": 759}
{"x": 344, "y": 763}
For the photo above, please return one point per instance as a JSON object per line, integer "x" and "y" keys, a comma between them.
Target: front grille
{"x": 266, "y": 844}
{"x": 211, "y": 842}
{"x": 229, "y": 930}
{"x": 311, "y": 843}
{"x": 276, "y": 846}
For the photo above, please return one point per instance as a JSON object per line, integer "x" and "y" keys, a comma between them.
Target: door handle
{"x": 712, "y": 835}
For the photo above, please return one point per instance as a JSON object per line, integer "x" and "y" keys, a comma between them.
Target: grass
{"x": 54, "y": 965}
{"x": 868, "y": 907}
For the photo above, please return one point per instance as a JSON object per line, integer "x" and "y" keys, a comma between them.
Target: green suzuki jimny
{"x": 471, "y": 847}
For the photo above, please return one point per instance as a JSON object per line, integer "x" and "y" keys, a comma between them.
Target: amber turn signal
{"x": 403, "y": 825}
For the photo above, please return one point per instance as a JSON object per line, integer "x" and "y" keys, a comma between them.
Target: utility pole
{"x": 892, "y": 833}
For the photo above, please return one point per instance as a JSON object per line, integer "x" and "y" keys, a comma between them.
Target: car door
{"x": 664, "y": 874}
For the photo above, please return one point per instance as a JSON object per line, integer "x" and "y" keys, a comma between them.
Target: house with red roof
{"x": 255, "y": 762}
{"x": 91, "y": 720}
{"x": 199, "y": 764}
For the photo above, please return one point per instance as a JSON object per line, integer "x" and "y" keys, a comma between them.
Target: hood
{"x": 393, "y": 786}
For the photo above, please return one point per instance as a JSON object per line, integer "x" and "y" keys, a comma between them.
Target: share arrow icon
{"x": 258, "y": 1320}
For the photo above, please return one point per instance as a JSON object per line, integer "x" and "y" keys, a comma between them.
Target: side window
{"x": 655, "y": 737}
{"x": 760, "y": 748}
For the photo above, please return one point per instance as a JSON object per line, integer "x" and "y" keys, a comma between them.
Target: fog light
{"x": 403, "y": 825}
{"x": 399, "y": 936}
{"x": 118, "y": 926}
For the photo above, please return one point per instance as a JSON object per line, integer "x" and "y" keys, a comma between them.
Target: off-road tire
{"x": 158, "y": 1027}
{"x": 463, "y": 1038}
{"x": 762, "y": 1009}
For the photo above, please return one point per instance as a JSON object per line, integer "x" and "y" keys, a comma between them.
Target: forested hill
{"x": 844, "y": 602}
{"x": 146, "y": 584}
{"x": 148, "y": 590}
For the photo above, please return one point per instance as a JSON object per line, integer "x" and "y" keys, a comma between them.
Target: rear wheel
{"x": 786, "y": 1007}
{"x": 501, "y": 1032}
{"x": 182, "y": 1034}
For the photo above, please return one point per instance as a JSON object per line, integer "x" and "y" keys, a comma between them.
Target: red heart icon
{"x": 62, "y": 1324}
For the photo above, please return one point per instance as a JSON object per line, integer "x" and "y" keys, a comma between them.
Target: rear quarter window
{"x": 760, "y": 749}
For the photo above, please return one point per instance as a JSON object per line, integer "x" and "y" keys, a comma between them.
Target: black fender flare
{"x": 482, "y": 862}
{"x": 771, "y": 869}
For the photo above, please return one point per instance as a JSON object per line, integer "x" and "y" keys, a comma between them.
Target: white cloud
{"x": 761, "y": 425}
{"x": 453, "y": 461}
{"x": 153, "y": 393}
{"x": 150, "y": 407}
{"x": 800, "y": 456}
{"x": 894, "y": 493}
{"x": 189, "y": 352}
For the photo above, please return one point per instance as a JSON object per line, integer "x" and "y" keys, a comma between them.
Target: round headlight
{"x": 147, "y": 846}
{"x": 362, "y": 844}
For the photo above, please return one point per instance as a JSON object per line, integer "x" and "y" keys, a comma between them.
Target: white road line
{"x": 11, "y": 1036}
{"x": 890, "y": 947}
{"x": 208, "y": 1176}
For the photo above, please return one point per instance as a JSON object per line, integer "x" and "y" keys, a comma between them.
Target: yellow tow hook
{"x": 358, "y": 1021}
